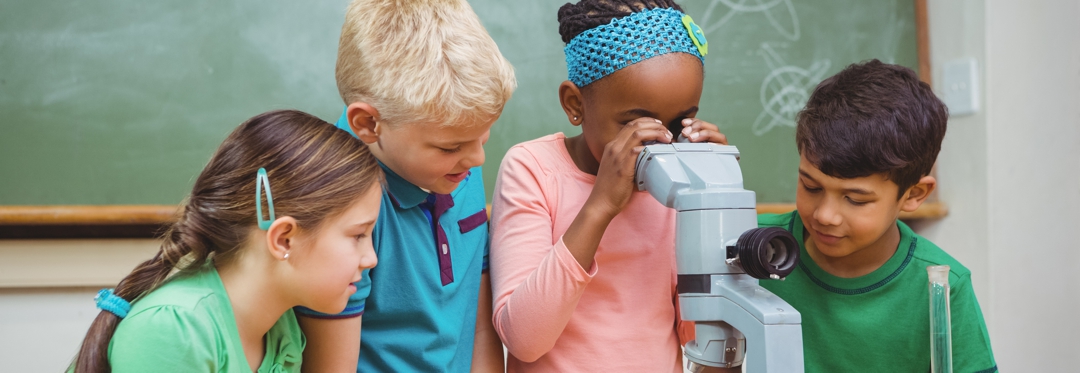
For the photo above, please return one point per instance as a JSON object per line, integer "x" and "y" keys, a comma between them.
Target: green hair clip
{"x": 262, "y": 181}
{"x": 696, "y": 35}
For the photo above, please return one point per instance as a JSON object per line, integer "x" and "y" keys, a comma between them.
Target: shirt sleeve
{"x": 487, "y": 255}
{"x": 164, "y": 339}
{"x": 970, "y": 339}
{"x": 536, "y": 282}
{"x": 486, "y": 264}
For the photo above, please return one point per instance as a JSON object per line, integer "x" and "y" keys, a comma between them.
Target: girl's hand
{"x": 615, "y": 178}
{"x": 697, "y": 130}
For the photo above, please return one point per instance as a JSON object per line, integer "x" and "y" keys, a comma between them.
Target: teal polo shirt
{"x": 419, "y": 303}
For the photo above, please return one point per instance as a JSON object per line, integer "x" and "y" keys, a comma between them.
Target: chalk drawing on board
{"x": 784, "y": 90}
{"x": 780, "y": 13}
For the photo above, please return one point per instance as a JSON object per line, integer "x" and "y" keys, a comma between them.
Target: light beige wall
{"x": 957, "y": 30}
{"x": 62, "y": 263}
{"x": 42, "y": 327}
{"x": 1010, "y": 172}
{"x": 47, "y": 290}
{"x": 1033, "y": 133}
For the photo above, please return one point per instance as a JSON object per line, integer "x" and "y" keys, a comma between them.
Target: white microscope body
{"x": 720, "y": 254}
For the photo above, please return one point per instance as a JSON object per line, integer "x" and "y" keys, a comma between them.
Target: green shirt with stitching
{"x": 188, "y": 325}
{"x": 880, "y": 322}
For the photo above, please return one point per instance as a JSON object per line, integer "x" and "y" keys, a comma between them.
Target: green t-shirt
{"x": 187, "y": 325}
{"x": 880, "y": 322}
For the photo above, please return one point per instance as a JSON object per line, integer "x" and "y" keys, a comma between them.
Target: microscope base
{"x": 737, "y": 316}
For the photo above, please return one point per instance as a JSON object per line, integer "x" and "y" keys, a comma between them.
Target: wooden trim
{"x": 922, "y": 45}
{"x": 89, "y": 215}
{"x": 930, "y": 210}
{"x": 150, "y": 215}
{"x": 922, "y": 42}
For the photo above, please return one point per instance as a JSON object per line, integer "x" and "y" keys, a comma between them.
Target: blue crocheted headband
{"x": 608, "y": 48}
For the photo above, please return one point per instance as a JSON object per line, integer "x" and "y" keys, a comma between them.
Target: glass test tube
{"x": 940, "y": 325}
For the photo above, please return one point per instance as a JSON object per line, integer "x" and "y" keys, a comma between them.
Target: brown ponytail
{"x": 316, "y": 171}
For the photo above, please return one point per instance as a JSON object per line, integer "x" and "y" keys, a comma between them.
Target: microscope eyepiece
{"x": 767, "y": 252}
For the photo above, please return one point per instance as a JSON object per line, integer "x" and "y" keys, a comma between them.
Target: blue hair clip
{"x": 107, "y": 301}
{"x": 262, "y": 181}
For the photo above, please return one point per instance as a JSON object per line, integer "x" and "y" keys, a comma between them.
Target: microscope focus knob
{"x": 767, "y": 252}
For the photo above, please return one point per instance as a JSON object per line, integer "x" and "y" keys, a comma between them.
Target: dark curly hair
{"x": 586, "y": 14}
{"x": 873, "y": 118}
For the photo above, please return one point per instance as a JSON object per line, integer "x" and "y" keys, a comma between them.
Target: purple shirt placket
{"x": 442, "y": 203}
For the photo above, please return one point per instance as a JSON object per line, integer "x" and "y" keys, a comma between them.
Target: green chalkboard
{"x": 764, "y": 59}
{"x": 122, "y": 102}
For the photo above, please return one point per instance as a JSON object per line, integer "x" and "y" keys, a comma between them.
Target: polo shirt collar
{"x": 404, "y": 194}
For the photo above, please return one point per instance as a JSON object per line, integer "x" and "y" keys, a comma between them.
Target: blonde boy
{"x": 423, "y": 83}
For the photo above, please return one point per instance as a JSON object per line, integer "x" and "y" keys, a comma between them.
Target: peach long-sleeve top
{"x": 552, "y": 314}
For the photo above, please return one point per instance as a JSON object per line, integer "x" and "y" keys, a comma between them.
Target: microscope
{"x": 720, "y": 254}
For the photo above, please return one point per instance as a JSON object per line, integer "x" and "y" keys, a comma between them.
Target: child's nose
{"x": 827, "y": 214}
{"x": 475, "y": 157}
{"x": 369, "y": 260}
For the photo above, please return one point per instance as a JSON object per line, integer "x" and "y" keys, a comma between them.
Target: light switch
{"x": 960, "y": 87}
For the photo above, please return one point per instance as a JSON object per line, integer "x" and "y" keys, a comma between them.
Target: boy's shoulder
{"x": 928, "y": 253}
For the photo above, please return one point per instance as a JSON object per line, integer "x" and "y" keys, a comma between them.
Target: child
{"x": 867, "y": 140}
{"x": 423, "y": 83}
{"x": 583, "y": 265}
{"x": 243, "y": 266}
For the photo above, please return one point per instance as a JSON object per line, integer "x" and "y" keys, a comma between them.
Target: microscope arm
{"x": 720, "y": 253}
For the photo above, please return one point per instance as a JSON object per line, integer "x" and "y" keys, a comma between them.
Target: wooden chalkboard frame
{"x": 147, "y": 220}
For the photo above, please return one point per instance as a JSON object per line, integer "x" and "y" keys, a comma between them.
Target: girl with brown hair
{"x": 280, "y": 217}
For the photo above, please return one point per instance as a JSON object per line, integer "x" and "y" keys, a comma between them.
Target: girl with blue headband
{"x": 280, "y": 217}
{"x": 583, "y": 266}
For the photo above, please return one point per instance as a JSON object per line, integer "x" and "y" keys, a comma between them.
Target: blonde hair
{"x": 422, "y": 61}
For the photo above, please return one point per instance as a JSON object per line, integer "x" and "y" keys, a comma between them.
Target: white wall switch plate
{"x": 960, "y": 86}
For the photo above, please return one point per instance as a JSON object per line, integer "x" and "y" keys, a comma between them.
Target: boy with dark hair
{"x": 867, "y": 141}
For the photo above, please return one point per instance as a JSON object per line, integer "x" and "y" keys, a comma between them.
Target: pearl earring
{"x": 286, "y": 256}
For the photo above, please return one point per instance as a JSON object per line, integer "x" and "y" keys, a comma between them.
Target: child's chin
{"x": 443, "y": 187}
{"x": 833, "y": 251}
{"x": 331, "y": 309}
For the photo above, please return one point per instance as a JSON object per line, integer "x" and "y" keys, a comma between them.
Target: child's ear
{"x": 918, "y": 193}
{"x": 572, "y": 102}
{"x": 281, "y": 237}
{"x": 364, "y": 121}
